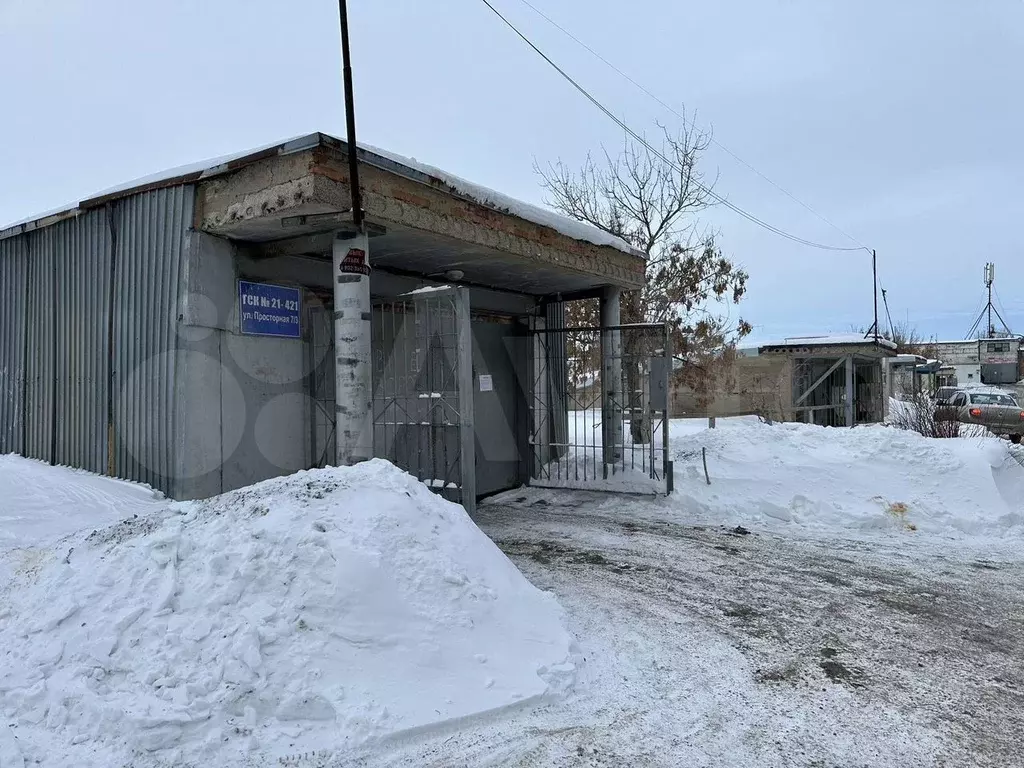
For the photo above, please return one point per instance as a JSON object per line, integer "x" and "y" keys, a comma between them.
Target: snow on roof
{"x": 428, "y": 289}
{"x": 908, "y": 358}
{"x": 492, "y": 199}
{"x": 205, "y": 169}
{"x": 822, "y": 341}
{"x": 210, "y": 167}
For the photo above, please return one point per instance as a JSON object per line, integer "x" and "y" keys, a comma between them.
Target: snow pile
{"x": 304, "y": 613}
{"x": 40, "y": 503}
{"x": 870, "y": 477}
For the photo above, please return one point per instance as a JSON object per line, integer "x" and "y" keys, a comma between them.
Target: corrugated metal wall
{"x": 151, "y": 240}
{"x": 13, "y": 284}
{"x": 39, "y": 346}
{"x": 82, "y": 314}
{"x": 56, "y": 321}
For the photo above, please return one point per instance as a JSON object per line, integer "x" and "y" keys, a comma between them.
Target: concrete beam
{"x": 250, "y": 203}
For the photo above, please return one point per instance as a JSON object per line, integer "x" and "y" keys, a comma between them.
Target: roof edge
{"x": 174, "y": 177}
{"x": 387, "y": 161}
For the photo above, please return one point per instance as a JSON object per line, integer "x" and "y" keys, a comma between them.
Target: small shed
{"x": 827, "y": 380}
{"x": 833, "y": 381}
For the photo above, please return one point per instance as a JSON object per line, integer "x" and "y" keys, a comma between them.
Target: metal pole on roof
{"x": 353, "y": 372}
{"x": 350, "y": 119}
{"x": 989, "y": 277}
{"x": 874, "y": 277}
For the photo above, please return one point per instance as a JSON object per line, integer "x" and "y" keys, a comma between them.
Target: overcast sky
{"x": 902, "y": 122}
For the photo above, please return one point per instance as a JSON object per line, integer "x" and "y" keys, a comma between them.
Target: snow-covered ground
{"x": 795, "y": 477}
{"x": 583, "y": 464}
{"x": 326, "y": 609}
{"x": 833, "y": 598}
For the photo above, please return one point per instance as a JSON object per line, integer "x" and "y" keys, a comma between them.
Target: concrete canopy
{"x": 289, "y": 203}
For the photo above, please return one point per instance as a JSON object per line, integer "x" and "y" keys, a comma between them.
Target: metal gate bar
{"x": 320, "y": 351}
{"x": 569, "y": 367}
{"x": 423, "y": 393}
{"x": 422, "y": 389}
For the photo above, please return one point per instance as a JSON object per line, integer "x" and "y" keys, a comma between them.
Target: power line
{"x": 682, "y": 117}
{"x": 641, "y": 140}
{"x": 885, "y": 301}
{"x": 1001, "y": 306}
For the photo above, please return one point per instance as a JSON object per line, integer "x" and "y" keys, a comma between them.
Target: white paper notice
{"x": 486, "y": 382}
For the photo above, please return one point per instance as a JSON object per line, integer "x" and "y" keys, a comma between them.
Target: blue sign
{"x": 269, "y": 310}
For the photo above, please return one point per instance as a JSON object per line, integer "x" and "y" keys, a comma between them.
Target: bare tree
{"x": 922, "y": 414}
{"x": 654, "y": 206}
{"x": 908, "y": 341}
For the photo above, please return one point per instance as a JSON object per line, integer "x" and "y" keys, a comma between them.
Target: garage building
{"x": 177, "y": 331}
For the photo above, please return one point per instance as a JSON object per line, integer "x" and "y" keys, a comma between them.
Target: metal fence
{"x": 599, "y": 408}
{"x": 423, "y": 390}
{"x": 320, "y": 364}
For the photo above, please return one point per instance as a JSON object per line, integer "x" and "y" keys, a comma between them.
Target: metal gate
{"x": 422, "y": 390}
{"x": 320, "y": 351}
{"x": 580, "y": 439}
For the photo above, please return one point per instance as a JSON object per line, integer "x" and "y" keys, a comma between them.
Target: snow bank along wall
{"x": 121, "y": 347}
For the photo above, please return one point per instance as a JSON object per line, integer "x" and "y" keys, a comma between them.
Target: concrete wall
{"x": 761, "y": 384}
{"x": 969, "y": 373}
{"x": 244, "y": 411}
{"x": 250, "y": 203}
{"x": 957, "y": 352}
{"x": 242, "y": 406}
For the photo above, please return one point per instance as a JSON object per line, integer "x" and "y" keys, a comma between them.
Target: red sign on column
{"x": 354, "y": 262}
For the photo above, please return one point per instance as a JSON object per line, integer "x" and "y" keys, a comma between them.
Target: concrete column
{"x": 611, "y": 376}
{"x": 352, "y": 362}
{"x": 467, "y": 419}
{"x": 850, "y": 391}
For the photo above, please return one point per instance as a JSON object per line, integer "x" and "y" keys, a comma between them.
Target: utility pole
{"x": 874, "y": 278}
{"x": 353, "y": 427}
{"x": 350, "y": 119}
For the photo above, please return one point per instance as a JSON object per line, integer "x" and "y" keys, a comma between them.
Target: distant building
{"x": 994, "y": 361}
{"x": 826, "y": 380}
{"x": 902, "y": 375}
